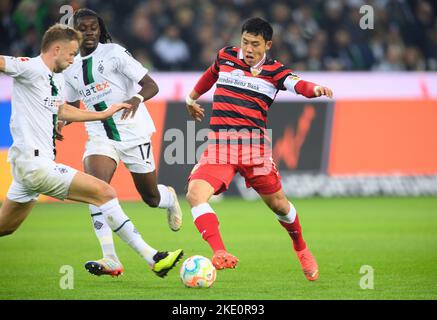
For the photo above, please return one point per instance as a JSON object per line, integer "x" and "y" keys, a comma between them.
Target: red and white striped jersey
{"x": 243, "y": 97}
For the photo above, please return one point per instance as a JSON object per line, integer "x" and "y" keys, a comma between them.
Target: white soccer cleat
{"x": 174, "y": 213}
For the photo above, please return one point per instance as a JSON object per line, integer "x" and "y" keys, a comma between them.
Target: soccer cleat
{"x": 104, "y": 266}
{"x": 174, "y": 213}
{"x": 308, "y": 264}
{"x": 165, "y": 261}
{"x": 222, "y": 259}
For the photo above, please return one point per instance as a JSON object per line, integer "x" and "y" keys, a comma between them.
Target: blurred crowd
{"x": 170, "y": 35}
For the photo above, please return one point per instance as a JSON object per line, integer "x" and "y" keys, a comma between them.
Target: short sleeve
{"x": 63, "y": 85}
{"x": 19, "y": 67}
{"x": 215, "y": 67}
{"x": 71, "y": 94}
{"x": 282, "y": 74}
{"x": 129, "y": 66}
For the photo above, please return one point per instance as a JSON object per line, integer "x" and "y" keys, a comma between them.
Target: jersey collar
{"x": 256, "y": 69}
{"x": 44, "y": 65}
{"x": 92, "y": 53}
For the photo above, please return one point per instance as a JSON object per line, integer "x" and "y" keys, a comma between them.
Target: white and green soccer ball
{"x": 197, "y": 272}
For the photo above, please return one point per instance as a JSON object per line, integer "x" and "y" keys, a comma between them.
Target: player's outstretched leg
{"x": 164, "y": 261}
{"x": 89, "y": 189}
{"x": 12, "y": 214}
{"x": 287, "y": 217}
{"x": 207, "y": 223}
{"x": 160, "y": 262}
{"x": 103, "y": 168}
{"x": 308, "y": 263}
{"x": 110, "y": 264}
{"x": 159, "y": 195}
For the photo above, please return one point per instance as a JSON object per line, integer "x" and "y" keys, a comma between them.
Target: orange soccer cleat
{"x": 222, "y": 259}
{"x": 309, "y": 264}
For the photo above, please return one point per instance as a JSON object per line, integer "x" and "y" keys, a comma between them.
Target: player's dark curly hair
{"x": 258, "y": 26}
{"x": 105, "y": 37}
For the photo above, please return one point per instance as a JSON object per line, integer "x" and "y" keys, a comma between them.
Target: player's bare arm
{"x": 69, "y": 113}
{"x": 194, "y": 109}
{"x": 208, "y": 79}
{"x": 62, "y": 124}
{"x": 75, "y": 104}
{"x": 205, "y": 83}
{"x": 2, "y": 64}
{"x": 149, "y": 89}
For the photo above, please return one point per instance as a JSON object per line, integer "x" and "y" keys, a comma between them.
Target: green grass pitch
{"x": 397, "y": 237}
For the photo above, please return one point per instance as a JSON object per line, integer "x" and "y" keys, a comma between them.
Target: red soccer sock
{"x": 208, "y": 226}
{"x": 295, "y": 231}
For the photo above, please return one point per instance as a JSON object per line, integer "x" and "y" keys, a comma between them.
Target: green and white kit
{"x": 106, "y": 76}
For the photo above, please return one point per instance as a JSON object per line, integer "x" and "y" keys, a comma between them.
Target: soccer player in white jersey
{"x": 37, "y": 104}
{"x": 102, "y": 74}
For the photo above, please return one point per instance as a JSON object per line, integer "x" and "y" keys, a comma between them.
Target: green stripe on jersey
{"x": 87, "y": 71}
{"x": 108, "y": 124}
{"x": 55, "y": 123}
{"x": 53, "y": 86}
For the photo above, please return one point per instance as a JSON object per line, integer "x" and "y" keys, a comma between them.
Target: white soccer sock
{"x": 167, "y": 199}
{"x": 103, "y": 233}
{"x": 290, "y": 217}
{"x": 201, "y": 209}
{"x": 125, "y": 229}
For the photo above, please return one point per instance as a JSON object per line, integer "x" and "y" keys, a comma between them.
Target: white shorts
{"x": 137, "y": 159}
{"x": 39, "y": 175}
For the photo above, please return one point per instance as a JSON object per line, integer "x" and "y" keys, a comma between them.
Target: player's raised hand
{"x": 196, "y": 111}
{"x": 135, "y": 102}
{"x": 323, "y": 91}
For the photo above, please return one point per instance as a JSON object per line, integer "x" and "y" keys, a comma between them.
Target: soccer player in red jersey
{"x": 247, "y": 84}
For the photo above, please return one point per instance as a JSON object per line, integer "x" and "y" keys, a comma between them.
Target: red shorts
{"x": 264, "y": 177}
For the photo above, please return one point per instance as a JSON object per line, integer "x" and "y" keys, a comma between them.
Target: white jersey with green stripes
{"x": 37, "y": 93}
{"x": 106, "y": 76}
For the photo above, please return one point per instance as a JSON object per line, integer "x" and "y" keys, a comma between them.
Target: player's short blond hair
{"x": 59, "y": 32}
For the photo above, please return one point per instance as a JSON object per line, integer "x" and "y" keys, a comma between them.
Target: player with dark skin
{"x": 103, "y": 167}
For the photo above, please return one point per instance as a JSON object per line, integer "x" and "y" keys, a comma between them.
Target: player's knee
{"x": 193, "y": 197}
{"x": 106, "y": 193}
{"x": 197, "y": 194}
{"x": 279, "y": 206}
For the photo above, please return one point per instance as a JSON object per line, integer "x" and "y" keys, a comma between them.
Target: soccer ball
{"x": 197, "y": 272}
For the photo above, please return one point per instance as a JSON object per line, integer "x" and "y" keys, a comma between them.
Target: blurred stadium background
{"x": 175, "y": 35}
{"x": 376, "y": 138}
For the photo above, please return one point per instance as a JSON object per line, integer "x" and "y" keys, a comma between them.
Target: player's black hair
{"x": 258, "y": 26}
{"x": 105, "y": 37}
